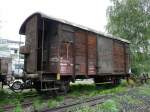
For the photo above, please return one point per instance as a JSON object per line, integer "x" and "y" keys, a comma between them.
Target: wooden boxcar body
{"x": 57, "y": 50}
{"x": 5, "y": 66}
{"x": 5, "y": 69}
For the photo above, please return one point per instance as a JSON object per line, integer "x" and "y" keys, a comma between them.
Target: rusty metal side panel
{"x": 66, "y": 50}
{"x": 105, "y": 55}
{"x": 31, "y": 43}
{"x": 80, "y": 53}
{"x": 91, "y": 54}
{"x": 119, "y": 57}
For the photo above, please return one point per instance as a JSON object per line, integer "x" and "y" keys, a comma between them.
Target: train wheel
{"x": 17, "y": 86}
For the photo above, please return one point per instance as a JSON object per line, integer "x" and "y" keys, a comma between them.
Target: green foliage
{"x": 144, "y": 90}
{"x": 89, "y": 90}
{"x": 130, "y": 19}
{"x": 18, "y": 108}
{"x": 11, "y": 98}
{"x": 52, "y": 103}
{"x": 129, "y": 83}
{"x": 55, "y": 102}
{"x": 108, "y": 106}
{"x": 37, "y": 104}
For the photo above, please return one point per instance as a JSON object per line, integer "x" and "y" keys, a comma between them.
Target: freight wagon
{"x": 5, "y": 69}
{"x": 57, "y": 52}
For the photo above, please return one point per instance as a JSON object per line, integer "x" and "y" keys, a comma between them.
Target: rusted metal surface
{"x": 5, "y": 65}
{"x": 105, "y": 55}
{"x": 91, "y": 54}
{"x": 66, "y": 51}
{"x": 80, "y": 53}
{"x": 31, "y": 43}
{"x": 118, "y": 57}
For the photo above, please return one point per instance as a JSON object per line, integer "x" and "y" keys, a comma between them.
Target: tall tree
{"x": 130, "y": 19}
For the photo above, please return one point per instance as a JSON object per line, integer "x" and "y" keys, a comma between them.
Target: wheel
{"x": 17, "y": 86}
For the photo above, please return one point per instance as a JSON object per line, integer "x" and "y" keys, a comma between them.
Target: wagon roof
{"x": 22, "y": 28}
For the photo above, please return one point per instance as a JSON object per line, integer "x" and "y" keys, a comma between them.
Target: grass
{"x": 144, "y": 90}
{"x": 55, "y": 101}
{"x": 18, "y": 108}
{"x": 107, "y": 106}
{"x": 12, "y": 98}
{"x": 128, "y": 99}
{"x": 81, "y": 108}
{"x": 78, "y": 92}
{"x": 91, "y": 90}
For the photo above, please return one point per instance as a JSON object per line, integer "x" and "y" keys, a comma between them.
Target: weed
{"x": 1, "y": 110}
{"x": 81, "y": 108}
{"x": 55, "y": 102}
{"x": 91, "y": 90}
{"x": 128, "y": 99}
{"x": 131, "y": 83}
{"x": 124, "y": 83}
{"x": 144, "y": 90}
{"x": 18, "y": 108}
{"x": 37, "y": 104}
{"x": 59, "y": 98}
{"x": 108, "y": 106}
{"x": 52, "y": 103}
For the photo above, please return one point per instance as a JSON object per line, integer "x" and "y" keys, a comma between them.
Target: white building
{"x": 10, "y": 48}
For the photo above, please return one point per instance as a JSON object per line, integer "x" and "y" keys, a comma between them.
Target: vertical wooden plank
{"x": 80, "y": 54}
{"x": 127, "y": 58}
{"x": 31, "y": 43}
{"x": 119, "y": 59}
{"x": 91, "y": 54}
{"x": 66, "y": 51}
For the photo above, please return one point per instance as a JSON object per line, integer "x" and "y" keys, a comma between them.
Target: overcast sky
{"x": 89, "y": 13}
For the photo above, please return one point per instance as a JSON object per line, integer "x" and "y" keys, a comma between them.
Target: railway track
{"x": 25, "y": 104}
{"x": 11, "y": 107}
{"x": 90, "y": 102}
{"x": 62, "y": 108}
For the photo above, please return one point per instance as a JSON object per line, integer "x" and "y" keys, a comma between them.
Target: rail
{"x": 90, "y": 102}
